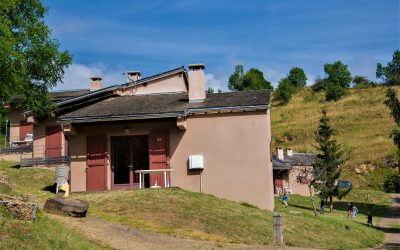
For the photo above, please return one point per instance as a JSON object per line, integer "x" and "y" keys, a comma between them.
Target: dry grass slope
{"x": 362, "y": 121}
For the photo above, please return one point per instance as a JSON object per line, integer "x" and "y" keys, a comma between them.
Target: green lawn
{"x": 43, "y": 233}
{"x": 181, "y": 213}
{"x": 343, "y": 232}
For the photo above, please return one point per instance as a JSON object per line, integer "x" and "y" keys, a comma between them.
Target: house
{"x": 290, "y": 171}
{"x": 162, "y": 131}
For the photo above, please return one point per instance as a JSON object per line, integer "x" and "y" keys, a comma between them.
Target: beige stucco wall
{"x": 39, "y": 136}
{"x": 235, "y": 148}
{"x": 297, "y": 188}
{"x": 16, "y": 116}
{"x": 237, "y": 163}
{"x": 168, "y": 84}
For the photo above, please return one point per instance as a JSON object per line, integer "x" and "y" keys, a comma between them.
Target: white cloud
{"x": 216, "y": 82}
{"x": 77, "y": 76}
{"x": 272, "y": 75}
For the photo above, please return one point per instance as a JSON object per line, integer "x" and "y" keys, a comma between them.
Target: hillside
{"x": 362, "y": 122}
{"x": 183, "y": 214}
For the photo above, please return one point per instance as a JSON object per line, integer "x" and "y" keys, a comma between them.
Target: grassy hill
{"x": 185, "y": 214}
{"x": 362, "y": 122}
{"x": 44, "y": 232}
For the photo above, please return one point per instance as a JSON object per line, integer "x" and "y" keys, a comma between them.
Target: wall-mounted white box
{"x": 196, "y": 162}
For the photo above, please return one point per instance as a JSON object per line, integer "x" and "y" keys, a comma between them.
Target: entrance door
{"x": 278, "y": 182}
{"x": 159, "y": 159}
{"x": 24, "y": 129}
{"x": 128, "y": 155}
{"x": 53, "y": 141}
{"x": 96, "y": 174}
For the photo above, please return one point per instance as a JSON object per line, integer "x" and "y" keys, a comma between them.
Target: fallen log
{"x": 19, "y": 207}
{"x": 66, "y": 207}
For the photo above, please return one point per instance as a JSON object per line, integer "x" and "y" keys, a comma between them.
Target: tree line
{"x": 335, "y": 83}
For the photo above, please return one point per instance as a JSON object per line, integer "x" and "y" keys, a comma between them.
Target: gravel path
{"x": 392, "y": 235}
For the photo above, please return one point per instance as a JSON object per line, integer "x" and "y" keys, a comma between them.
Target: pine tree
{"x": 327, "y": 168}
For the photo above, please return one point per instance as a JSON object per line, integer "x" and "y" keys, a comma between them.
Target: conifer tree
{"x": 327, "y": 168}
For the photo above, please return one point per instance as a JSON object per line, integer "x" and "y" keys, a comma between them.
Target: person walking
{"x": 369, "y": 219}
{"x": 322, "y": 207}
{"x": 354, "y": 212}
{"x": 284, "y": 200}
{"x": 349, "y": 210}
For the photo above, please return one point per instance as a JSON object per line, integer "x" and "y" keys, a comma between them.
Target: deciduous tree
{"x": 297, "y": 77}
{"x": 361, "y": 82}
{"x": 283, "y": 93}
{"x": 338, "y": 78}
{"x": 393, "y": 103}
{"x": 252, "y": 80}
{"x": 390, "y": 74}
{"x": 30, "y": 59}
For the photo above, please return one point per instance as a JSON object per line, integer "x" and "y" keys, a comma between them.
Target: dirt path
{"x": 123, "y": 237}
{"x": 392, "y": 218}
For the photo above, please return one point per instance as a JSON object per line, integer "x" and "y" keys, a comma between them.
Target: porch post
{"x": 165, "y": 179}
{"x": 140, "y": 180}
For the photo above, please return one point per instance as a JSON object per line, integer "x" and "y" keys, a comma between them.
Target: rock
{"x": 357, "y": 170}
{"x": 19, "y": 207}
{"x": 67, "y": 207}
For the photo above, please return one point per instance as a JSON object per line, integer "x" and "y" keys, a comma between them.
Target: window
{"x": 301, "y": 179}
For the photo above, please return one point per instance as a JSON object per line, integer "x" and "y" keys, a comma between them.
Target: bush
{"x": 334, "y": 92}
{"x": 284, "y": 91}
{"x": 392, "y": 182}
{"x": 318, "y": 85}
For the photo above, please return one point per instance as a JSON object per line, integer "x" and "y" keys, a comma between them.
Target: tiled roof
{"x": 59, "y": 96}
{"x": 167, "y": 105}
{"x": 110, "y": 89}
{"x": 297, "y": 159}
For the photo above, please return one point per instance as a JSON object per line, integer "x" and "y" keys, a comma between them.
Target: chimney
{"x": 133, "y": 76}
{"x": 196, "y": 77}
{"x": 279, "y": 153}
{"x": 289, "y": 152}
{"x": 95, "y": 84}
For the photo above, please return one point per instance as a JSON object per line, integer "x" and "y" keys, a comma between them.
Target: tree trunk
{"x": 331, "y": 203}
{"x": 312, "y": 199}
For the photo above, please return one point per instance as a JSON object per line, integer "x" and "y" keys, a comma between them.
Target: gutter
{"x": 229, "y": 108}
{"x": 122, "y": 117}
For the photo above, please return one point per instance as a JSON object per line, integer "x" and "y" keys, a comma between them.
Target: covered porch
{"x": 115, "y": 155}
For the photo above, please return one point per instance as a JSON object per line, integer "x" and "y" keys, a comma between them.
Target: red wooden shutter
{"x": 96, "y": 175}
{"x": 53, "y": 141}
{"x": 24, "y": 129}
{"x": 158, "y": 157}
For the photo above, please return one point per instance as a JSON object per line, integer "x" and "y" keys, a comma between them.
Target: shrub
{"x": 284, "y": 91}
{"x": 392, "y": 182}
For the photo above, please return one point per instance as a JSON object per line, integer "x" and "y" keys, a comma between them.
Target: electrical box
{"x": 196, "y": 162}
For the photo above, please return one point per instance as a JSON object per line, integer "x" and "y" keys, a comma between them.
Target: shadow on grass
{"x": 50, "y": 188}
{"x": 363, "y": 208}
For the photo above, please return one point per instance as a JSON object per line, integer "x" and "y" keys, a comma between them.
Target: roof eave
{"x": 84, "y": 119}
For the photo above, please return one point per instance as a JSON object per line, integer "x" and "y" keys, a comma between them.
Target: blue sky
{"x": 108, "y": 38}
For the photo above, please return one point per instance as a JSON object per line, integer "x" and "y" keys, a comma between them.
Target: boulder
{"x": 66, "y": 207}
{"x": 20, "y": 208}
